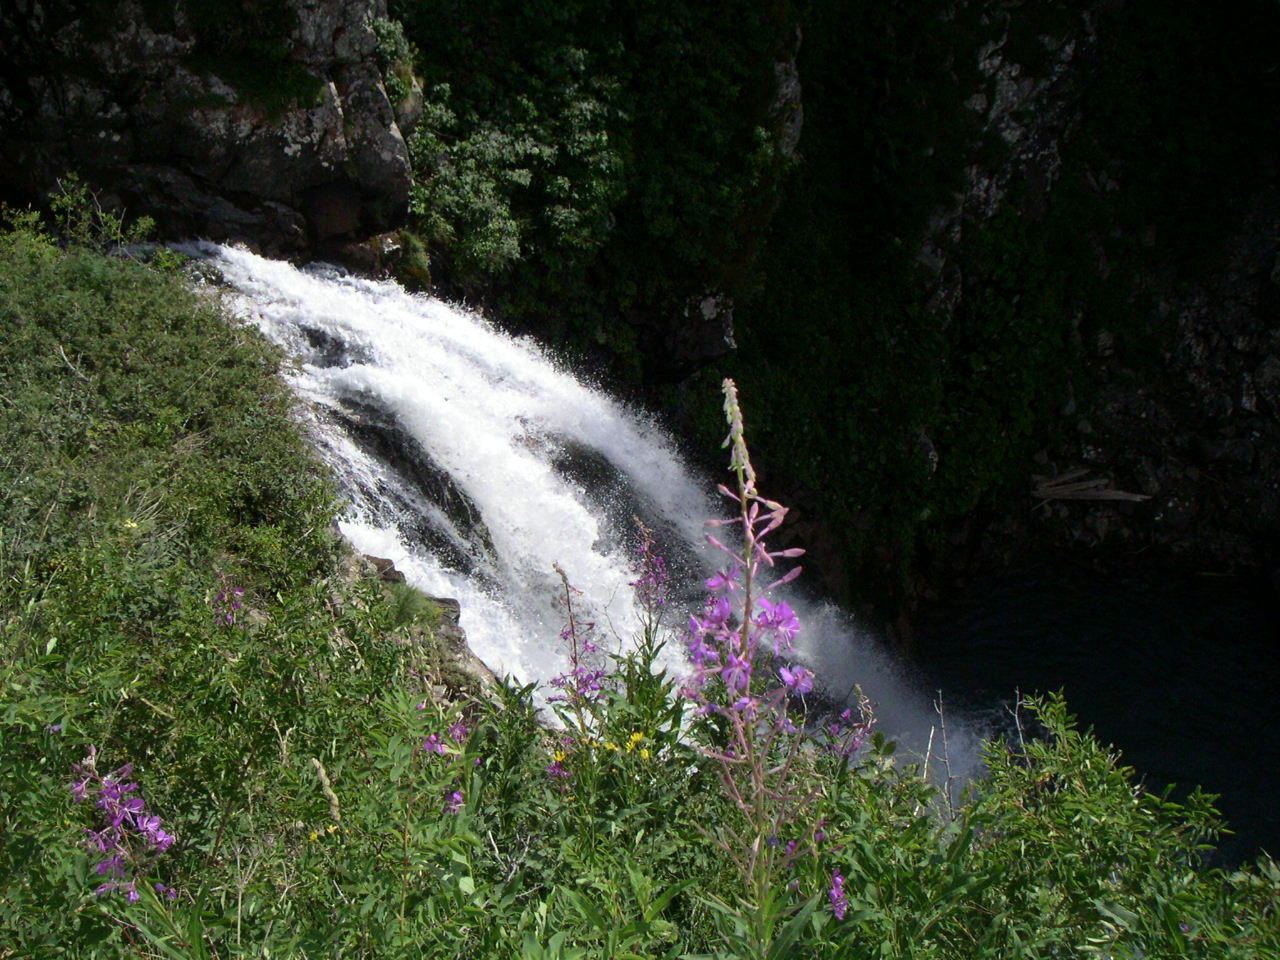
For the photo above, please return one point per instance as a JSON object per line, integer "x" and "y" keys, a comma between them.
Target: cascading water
{"x": 473, "y": 461}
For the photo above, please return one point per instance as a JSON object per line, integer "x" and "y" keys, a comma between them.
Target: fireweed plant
{"x": 580, "y": 686}
{"x": 227, "y": 604}
{"x": 127, "y": 838}
{"x": 749, "y": 694}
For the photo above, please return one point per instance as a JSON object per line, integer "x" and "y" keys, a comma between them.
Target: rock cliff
{"x": 1188, "y": 421}
{"x": 264, "y": 120}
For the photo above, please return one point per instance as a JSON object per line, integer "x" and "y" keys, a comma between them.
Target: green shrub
{"x": 171, "y": 597}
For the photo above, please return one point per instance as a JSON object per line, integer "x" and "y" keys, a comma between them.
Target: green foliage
{"x": 80, "y": 220}
{"x": 396, "y": 56}
{"x": 303, "y": 743}
{"x": 576, "y": 160}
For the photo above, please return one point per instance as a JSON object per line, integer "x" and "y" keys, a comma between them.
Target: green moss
{"x": 272, "y": 82}
{"x": 246, "y": 44}
{"x": 413, "y": 267}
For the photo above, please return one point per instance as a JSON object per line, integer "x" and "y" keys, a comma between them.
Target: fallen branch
{"x": 1071, "y": 486}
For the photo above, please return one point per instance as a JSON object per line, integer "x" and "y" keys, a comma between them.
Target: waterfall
{"x": 474, "y": 460}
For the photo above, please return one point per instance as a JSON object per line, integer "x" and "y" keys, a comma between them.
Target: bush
{"x": 178, "y": 637}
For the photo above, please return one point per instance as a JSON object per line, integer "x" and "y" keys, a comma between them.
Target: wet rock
{"x": 386, "y": 569}
{"x": 707, "y": 332}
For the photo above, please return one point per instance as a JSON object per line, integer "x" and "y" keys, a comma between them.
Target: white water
{"x": 540, "y": 467}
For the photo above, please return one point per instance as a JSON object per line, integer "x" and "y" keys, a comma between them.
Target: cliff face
{"x": 1025, "y": 241}
{"x": 1171, "y": 325}
{"x": 282, "y": 140}
{"x": 1200, "y": 436}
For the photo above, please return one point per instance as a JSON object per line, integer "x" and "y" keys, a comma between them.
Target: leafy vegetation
{"x": 183, "y": 651}
{"x": 580, "y": 166}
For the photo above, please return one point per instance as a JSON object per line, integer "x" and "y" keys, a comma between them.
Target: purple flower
{"x": 715, "y": 615}
{"x": 845, "y": 740}
{"x": 458, "y": 731}
{"x": 701, "y": 653}
{"x": 454, "y": 803}
{"x": 797, "y": 679}
{"x": 779, "y": 620}
{"x": 101, "y": 840}
{"x": 736, "y": 673}
{"x": 113, "y": 867}
{"x": 839, "y": 903}
{"x": 651, "y": 585}
{"x": 226, "y": 604}
{"x": 433, "y": 744}
{"x": 122, "y": 823}
{"x": 579, "y": 684}
{"x": 155, "y": 835}
{"x": 723, "y": 580}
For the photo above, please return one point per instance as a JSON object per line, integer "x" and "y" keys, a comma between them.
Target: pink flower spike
{"x": 788, "y": 553}
{"x": 718, "y": 545}
{"x": 786, "y": 578}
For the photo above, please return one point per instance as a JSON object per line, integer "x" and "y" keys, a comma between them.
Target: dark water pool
{"x": 1181, "y": 673}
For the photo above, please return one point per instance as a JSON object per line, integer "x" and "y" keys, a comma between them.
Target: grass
{"x": 335, "y": 792}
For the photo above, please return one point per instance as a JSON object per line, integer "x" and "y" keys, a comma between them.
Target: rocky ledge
{"x": 156, "y": 108}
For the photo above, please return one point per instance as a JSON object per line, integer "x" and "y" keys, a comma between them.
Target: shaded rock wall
{"x": 1202, "y": 438}
{"x": 298, "y": 148}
